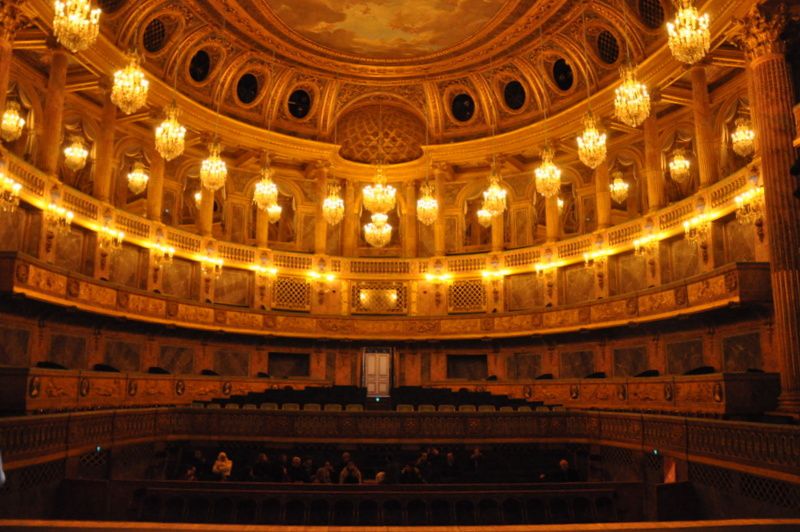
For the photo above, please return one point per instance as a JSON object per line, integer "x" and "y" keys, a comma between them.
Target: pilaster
{"x": 104, "y": 148}
{"x": 602, "y": 195}
{"x": 50, "y": 140}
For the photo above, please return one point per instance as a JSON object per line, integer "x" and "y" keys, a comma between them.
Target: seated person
{"x": 350, "y": 474}
{"x": 190, "y": 474}
{"x": 296, "y": 471}
{"x": 451, "y": 472}
{"x": 223, "y": 467}
{"x": 564, "y": 473}
{"x": 202, "y": 468}
{"x": 262, "y": 469}
{"x": 410, "y": 474}
{"x": 324, "y": 473}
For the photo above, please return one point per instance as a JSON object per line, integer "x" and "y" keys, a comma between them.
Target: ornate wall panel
{"x": 684, "y": 356}
{"x": 14, "y": 345}
{"x": 630, "y": 361}
{"x": 125, "y": 356}
{"x": 576, "y": 364}
{"x": 68, "y": 351}
{"x": 742, "y": 352}
{"x": 177, "y": 359}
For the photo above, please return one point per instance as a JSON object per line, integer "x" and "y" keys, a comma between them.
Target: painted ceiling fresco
{"x": 388, "y": 29}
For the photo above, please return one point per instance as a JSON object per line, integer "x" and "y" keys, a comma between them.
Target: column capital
{"x": 11, "y": 19}
{"x": 760, "y": 31}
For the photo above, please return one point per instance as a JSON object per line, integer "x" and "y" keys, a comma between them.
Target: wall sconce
{"x": 109, "y": 241}
{"x": 495, "y": 277}
{"x": 437, "y": 279}
{"x": 58, "y": 221}
{"x": 647, "y": 247}
{"x": 322, "y": 281}
{"x": 597, "y": 260}
{"x": 750, "y": 209}
{"x": 211, "y": 267}
{"x": 696, "y": 231}
{"x": 162, "y": 256}
{"x": 264, "y": 277}
{"x": 546, "y": 270}
{"x": 9, "y": 193}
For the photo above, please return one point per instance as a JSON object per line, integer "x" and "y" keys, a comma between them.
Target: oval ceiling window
{"x": 300, "y": 103}
{"x": 155, "y": 36}
{"x": 109, "y": 6}
{"x": 652, "y": 13}
{"x": 247, "y": 88}
{"x": 514, "y": 95}
{"x": 607, "y": 47}
{"x": 200, "y": 66}
{"x": 463, "y": 107}
{"x": 562, "y": 74}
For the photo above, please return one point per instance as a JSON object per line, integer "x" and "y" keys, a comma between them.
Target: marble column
{"x": 50, "y": 140}
{"x": 773, "y": 103}
{"x": 351, "y": 220}
{"x": 104, "y": 149}
{"x": 602, "y": 195}
{"x": 411, "y": 230}
{"x": 205, "y": 215}
{"x": 653, "y": 171}
{"x": 320, "y": 174}
{"x": 707, "y": 156}
{"x": 441, "y": 172}
{"x": 155, "y": 188}
{"x": 262, "y": 228}
{"x": 552, "y": 218}
{"x": 498, "y": 232}
{"x": 10, "y": 21}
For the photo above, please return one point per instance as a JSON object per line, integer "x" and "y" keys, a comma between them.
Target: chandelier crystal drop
{"x": 679, "y": 166}
{"x": 379, "y": 197}
{"x": 619, "y": 188}
{"x": 75, "y": 24}
{"x": 170, "y": 135}
{"x": 484, "y": 217}
{"x": 427, "y": 205}
{"x": 592, "y": 142}
{"x": 274, "y": 213}
{"x": 378, "y": 233}
{"x": 547, "y": 174}
{"x": 689, "y": 35}
{"x": 9, "y": 193}
{"x": 743, "y": 138}
{"x": 12, "y": 124}
{"x": 333, "y": 205}
{"x": 138, "y": 178}
{"x": 266, "y": 192}
{"x": 75, "y": 154}
{"x": 632, "y": 99}
{"x": 129, "y": 92}
{"x": 213, "y": 170}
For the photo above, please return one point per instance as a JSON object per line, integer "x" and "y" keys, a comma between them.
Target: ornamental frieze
{"x": 47, "y": 281}
{"x": 93, "y": 293}
{"x": 146, "y": 305}
{"x": 707, "y": 290}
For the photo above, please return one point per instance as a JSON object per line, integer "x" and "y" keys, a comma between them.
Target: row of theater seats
{"x": 479, "y": 408}
{"x": 329, "y": 398}
{"x": 293, "y": 407}
{"x": 463, "y": 400}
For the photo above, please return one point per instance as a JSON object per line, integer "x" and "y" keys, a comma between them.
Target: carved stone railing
{"x": 762, "y": 449}
{"x": 731, "y": 284}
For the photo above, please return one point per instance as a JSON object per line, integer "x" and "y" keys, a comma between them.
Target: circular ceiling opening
{"x": 155, "y": 36}
{"x": 652, "y": 13}
{"x": 514, "y": 95}
{"x": 562, "y": 74}
{"x": 607, "y": 47}
{"x": 463, "y": 107}
{"x": 247, "y": 88}
{"x": 200, "y": 66}
{"x": 300, "y": 103}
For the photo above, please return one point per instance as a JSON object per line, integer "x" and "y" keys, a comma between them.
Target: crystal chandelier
{"x": 129, "y": 92}
{"x": 632, "y": 100}
{"x": 58, "y": 219}
{"x": 560, "y": 203}
{"x": 274, "y": 213}
{"x": 75, "y": 154}
{"x": 12, "y": 124}
{"x": 75, "y": 24}
{"x": 213, "y": 170}
{"x": 679, "y": 166}
{"x": 110, "y": 240}
{"x": 427, "y": 205}
{"x": 689, "y": 36}
{"x": 591, "y": 143}
{"x": 9, "y": 193}
{"x": 333, "y": 205}
{"x": 697, "y": 229}
{"x": 548, "y": 175}
{"x": 379, "y": 197}
{"x": 484, "y": 217}
{"x": 743, "y": 138}
{"x": 494, "y": 197}
{"x": 266, "y": 192}
{"x": 619, "y": 188}
{"x": 138, "y": 178}
{"x": 198, "y": 198}
{"x": 750, "y": 205}
{"x": 170, "y": 135}
{"x": 379, "y": 232}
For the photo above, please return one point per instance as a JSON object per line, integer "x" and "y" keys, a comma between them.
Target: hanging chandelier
{"x": 689, "y": 36}
{"x": 266, "y": 192}
{"x": 274, "y": 213}
{"x": 9, "y": 193}
{"x": 750, "y": 205}
{"x": 494, "y": 197}
{"x": 743, "y": 138}
{"x": 379, "y": 197}
{"x": 75, "y": 154}
{"x": 138, "y": 178}
{"x": 427, "y": 205}
{"x": 632, "y": 101}
{"x": 333, "y": 205}
{"x": 591, "y": 143}
{"x": 378, "y": 233}
{"x": 170, "y": 135}
{"x": 75, "y": 24}
{"x": 560, "y": 203}
{"x": 12, "y": 124}
{"x": 213, "y": 170}
{"x": 198, "y": 198}
{"x": 619, "y": 188}
{"x": 679, "y": 166}
{"x": 129, "y": 92}
{"x": 484, "y": 217}
{"x": 548, "y": 175}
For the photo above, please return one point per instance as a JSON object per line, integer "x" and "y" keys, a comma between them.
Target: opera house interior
{"x": 469, "y": 264}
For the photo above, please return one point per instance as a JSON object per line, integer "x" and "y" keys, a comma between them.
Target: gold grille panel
{"x": 380, "y": 297}
{"x": 291, "y": 293}
{"x": 467, "y": 296}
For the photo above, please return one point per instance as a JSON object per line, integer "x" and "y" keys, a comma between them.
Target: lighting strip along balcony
{"x": 36, "y": 187}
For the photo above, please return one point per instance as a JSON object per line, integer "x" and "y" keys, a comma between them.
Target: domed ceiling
{"x": 387, "y": 29}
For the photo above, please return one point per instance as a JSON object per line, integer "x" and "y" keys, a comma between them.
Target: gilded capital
{"x": 760, "y": 31}
{"x": 11, "y": 19}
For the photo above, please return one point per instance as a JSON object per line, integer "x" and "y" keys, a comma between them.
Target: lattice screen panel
{"x": 379, "y": 297}
{"x": 291, "y": 293}
{"x": 766, "y": 490}
{"x": 466, "y": 296}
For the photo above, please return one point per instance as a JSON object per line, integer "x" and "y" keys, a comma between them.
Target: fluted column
{"x": 552, "y": 218}
{"x": 320, "y": 174}
{"x": 155, "y": 188}
{"x": 205, "y": 215}
{"x": 411, "y": 230}
{"x": 104, "y": 149}
{"x": 10, "y": 20}
{"x": 50, "y": 141}
{"x": 602, "y": 195}
{"x": 773, "y": 102}
{"x": 707, "y": 157}
{"x": 351, "y": 221}
{"x": 262, "y": 229}
{"x": 440, "y": 173}
{"x": 653, "y": 172}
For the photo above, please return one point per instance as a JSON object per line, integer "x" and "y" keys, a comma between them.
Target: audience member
{"x": 297, "y": 472}
{"x": 350, "y": 474}
{"x": 190, "y": 474}
{"x": 222, "y": 467}
{"x": 451, "y": 472}
{"x": 201, "y": 467}
{"x": 380, "y": 478}
{"x": 410, "y": 474}
{"x": 323, "y": 474}
{"x": 424, "y": 467}
{"x": 564, "y": 473}
{"x": 477, "y": 460}
{"x": 262, "y": 470}
{"x": 346, "y": 459}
